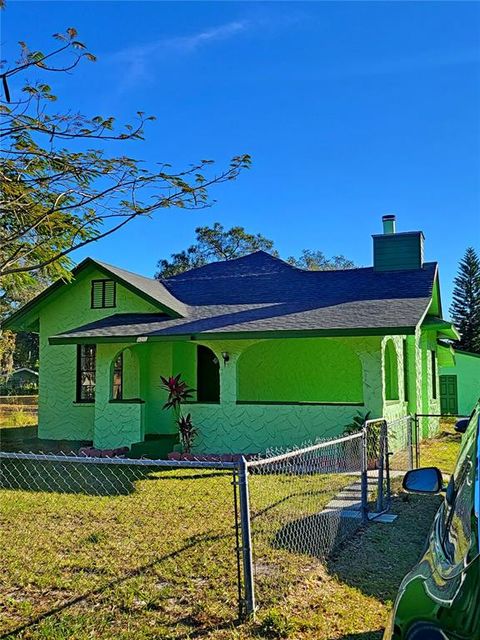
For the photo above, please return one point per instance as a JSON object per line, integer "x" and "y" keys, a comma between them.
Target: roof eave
{"x": 237, "y": 335}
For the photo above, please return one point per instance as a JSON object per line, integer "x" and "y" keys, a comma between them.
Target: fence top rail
{"x": 141, "y": 462}
{"x": 298, "y": 452}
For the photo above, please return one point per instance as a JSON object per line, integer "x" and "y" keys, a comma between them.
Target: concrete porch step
{"x": 156, "y": 446}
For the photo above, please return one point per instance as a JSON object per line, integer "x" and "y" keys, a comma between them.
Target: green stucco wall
{"x": 303, "y": 370}
{"x": 59, "y": 416}
{"x": 117, "y": 424}
{"x": 467, "y": 370}
{"x": 393, "y": 398}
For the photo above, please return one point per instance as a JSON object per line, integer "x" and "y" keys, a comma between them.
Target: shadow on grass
{"x": 99, "y": 591}
{"x": 86, "y": 479}
{"x": 377, "y": 559}
{"x": 17, "y": 435}
{"x": 70, "y": 477}
{"x": 316, "y": 535}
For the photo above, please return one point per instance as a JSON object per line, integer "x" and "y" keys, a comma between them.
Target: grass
{"x": 441, "y": 451}
{"x": 152, "y": 555}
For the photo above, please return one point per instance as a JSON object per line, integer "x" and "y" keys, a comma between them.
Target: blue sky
{"x": 349, "y": 110}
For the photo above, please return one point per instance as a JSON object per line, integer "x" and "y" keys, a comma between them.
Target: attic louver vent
{"x": 103, "y": 294}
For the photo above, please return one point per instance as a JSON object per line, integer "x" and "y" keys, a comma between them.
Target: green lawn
{"x": 441, "y": 451}
{"x": 152, "y": 555}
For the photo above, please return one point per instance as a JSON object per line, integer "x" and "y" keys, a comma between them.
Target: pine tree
{"x": 465, "y": 309}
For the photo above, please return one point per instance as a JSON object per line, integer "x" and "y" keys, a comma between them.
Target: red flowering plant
{"x": 178, "y": 392}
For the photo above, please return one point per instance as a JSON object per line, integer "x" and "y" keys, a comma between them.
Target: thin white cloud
{"x": 416, "y": 62}
{"x": 138, "y": 62}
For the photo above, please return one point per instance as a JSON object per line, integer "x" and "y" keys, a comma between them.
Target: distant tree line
{"x": 217, "y": 243}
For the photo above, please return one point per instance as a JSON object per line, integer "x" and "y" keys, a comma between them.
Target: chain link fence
{"x": 433, "y": 429}
{"x": 158, "y": 534}
{"x": 303, "y": 505}
{"x": 188, "y": 537}
{"x": 402, "y": 445}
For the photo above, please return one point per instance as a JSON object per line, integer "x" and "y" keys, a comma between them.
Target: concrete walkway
{"x": 347, "y": 503}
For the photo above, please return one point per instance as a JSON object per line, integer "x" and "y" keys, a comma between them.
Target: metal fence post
{"x": 249, "y": 597}
{"x": 364, "y": 473}
{"x": 381, "y": 463}
{"x": 417, "y": 442}
{"x": 410, "y": 426}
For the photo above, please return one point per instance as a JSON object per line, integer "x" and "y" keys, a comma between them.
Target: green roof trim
{"x": 444, "y": 328}
{"x": 240, "y": 335}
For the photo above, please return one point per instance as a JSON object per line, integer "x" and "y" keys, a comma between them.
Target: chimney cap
{"x": 389, "y": 216}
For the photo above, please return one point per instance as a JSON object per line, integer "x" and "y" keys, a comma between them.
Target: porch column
{"x": 228, "y": 378}
{"x": 373, "y": 392}
{"x": 102, "y": 434}
{"x": 228, "y": 369}
{"x": 117, "y": 424}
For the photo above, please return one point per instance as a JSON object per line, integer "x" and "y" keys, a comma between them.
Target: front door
{"x": 448, "y": 395}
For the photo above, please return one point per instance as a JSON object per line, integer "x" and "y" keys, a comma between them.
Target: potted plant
{"x": 179, "y": 392}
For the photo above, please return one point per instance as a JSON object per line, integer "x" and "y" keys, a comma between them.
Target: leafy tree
{"x": 465, "y": 309}
{"x": 60, "y": 190}
{"x": 26, "y": 350}
{"x": 7, "y": 348}
{"x": 212, "y": 244}
{"x": 18, "y": 349}
{"x": 216, "y": 243}
{"x": 315, "y": 260}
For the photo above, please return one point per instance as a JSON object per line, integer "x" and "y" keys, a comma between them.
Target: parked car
{"x": 440, "y": 598}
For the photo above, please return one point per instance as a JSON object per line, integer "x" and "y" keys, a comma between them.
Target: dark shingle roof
{"x": 259, "y": 293}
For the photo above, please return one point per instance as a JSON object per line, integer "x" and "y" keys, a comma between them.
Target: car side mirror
{"x": 425, "y": 480}
{"x": 461, "y": 425}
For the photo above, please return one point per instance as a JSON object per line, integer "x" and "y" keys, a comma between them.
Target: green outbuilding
{"x": 460, "y": 383}
{"x": 277, "y": 355}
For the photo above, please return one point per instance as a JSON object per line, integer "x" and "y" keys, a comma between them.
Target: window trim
{"x": 78, "y": 385}
{"x": 103, "y": 281}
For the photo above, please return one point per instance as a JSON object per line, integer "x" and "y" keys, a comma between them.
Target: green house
{"x": 277, "y": 355}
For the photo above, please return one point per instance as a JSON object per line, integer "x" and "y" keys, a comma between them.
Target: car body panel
{"x": 443, "y": 589}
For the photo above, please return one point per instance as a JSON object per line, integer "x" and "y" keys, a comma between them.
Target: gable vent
{"x": 103, "y": 295}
